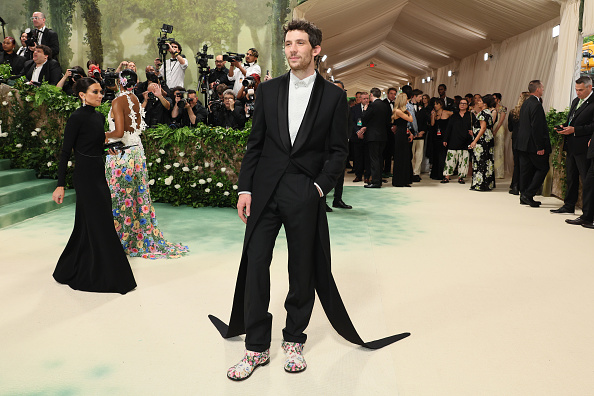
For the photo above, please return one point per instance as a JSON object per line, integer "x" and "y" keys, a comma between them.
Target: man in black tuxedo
{"x": 42, "y": 67}
{"x": 360, "y": 152}
{"x": 577, "y": 131}
{"x": 534, "y": 144}
{"x": 295, "y": 152}
{"x": 44, "y": 36}
{"x": 376, "y": 120}
{"x": 389, "y": 147}
{"x": 450, "y": 104}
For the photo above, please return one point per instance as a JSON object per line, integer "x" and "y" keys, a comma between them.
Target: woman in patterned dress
{"x": 134, "y": 215}
{"x": 483, "y": 174}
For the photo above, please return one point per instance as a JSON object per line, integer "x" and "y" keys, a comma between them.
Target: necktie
{"x": 579, "y": 103}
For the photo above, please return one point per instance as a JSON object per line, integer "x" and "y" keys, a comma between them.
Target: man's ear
{"x": 316, "y": 50}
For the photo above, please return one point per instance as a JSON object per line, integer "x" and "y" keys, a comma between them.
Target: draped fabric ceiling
{"x": 408, "y": 39}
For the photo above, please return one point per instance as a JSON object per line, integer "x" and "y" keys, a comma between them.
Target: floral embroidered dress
{"x": 133, "y": 213}
{"x": 483, "y": 168}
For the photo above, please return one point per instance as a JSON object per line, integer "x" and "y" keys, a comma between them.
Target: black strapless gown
{"x": 402, "y": 174}
{"x": 93, "y": 259}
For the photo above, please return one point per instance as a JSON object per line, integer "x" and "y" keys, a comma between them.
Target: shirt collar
{"x": 307, "y": 80}
{"x": 42, "y": 29}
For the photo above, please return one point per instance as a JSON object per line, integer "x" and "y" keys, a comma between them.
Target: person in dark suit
{"x": 295, "y": 152}
{"x": 587, "y": 218}
{"x": 449, "y": 103}
{"x": 43, "y": 35}
{"x": 376, "y": 120}
{"x": 360, "y": 152}
{"x": 389, "y": 147}
{"x": 42, "y": 67}
{"x": 534, "y": 144}
{"x": 577, "y": 131}
{"x": 8, "y": 55}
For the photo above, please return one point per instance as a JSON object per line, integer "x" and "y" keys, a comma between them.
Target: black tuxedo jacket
{"x": 50, "y": 72}
{"x": 356, "y": 114}
{"x": 582, "y": 120}
{"x": 533, "y": 132}
{"x": 50, "y": 38}
{"x": 377, "y": 120}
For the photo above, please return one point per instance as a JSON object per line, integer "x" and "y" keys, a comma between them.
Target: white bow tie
{"x": 300, "y": 83}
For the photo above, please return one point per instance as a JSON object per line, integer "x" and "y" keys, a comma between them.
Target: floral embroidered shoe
{"x": 248, "y": 364}
{"x": 295, "y": 362}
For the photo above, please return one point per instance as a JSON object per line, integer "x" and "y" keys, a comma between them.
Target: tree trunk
{"x": 279, "y": 18}
{"x": 61, "y": 12}
{"x": 92, "y": 17}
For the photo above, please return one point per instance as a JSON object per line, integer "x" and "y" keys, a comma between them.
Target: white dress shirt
{"x": 36, "y": 72}
{"x": 174, "y": 72}
{"x": 299, "y": 94}
{"x": 40, "y": 34}
{"x": 238, "y": 76}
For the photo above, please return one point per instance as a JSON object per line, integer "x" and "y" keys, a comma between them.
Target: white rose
{"x": 151, "y": 182}
{"x": 161, "y": 151}
{"x": 193, "y": 185}
{"x": 202, "y": 181}
{"x": 235, "y": 187}
{"x": 69, "y": 164}
{"x": 176, "y": 164}
{"x": 206, "y": 164}
{"x": 28, "y": 99}
{"x": 167, "y": 166}
{"x": 208, "y": 180}
{"x": 158, "y": 160}
{"x": 149, "y": 164}
{"x": 49, "y": 164}
{"x": 186, "y": 169}
{"x": 33, "y": 133}
{"x": 37, "y": 129}
{"x": 195, "y": 168}
{"x": 19, "y": 145}
{"x": 219, "y": 184}
{"x": 168, "y": 181}
{"x": 9, "y": 93}
{"x": 4, "y": 103}
{"x": 223, "y": 169}
{"x": 177, "y": 186}
{"x": 46, "y": 141}
{"x": 226, "y": 193}
{"x": 207, "y": 190}
{"x": 182, "y": 154}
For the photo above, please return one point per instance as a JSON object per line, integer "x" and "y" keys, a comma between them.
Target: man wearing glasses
{"x": 238, "y": 72}
{"x": 43, "y": 35}
{"x": 218, "y": 75}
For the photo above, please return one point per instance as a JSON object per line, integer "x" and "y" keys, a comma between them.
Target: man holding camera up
{"x": 239, "y": 72}
{"x": 156, "y": 105}
{"x": 187, "y": 111}
{"x": 174, "y": 69}
{"x": 42, "y": 35}
{"x": 218, "y": 75}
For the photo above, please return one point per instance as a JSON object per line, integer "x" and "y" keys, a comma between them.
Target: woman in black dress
{"x": 402, "y": 137}
{"x": 93, "y": 259}
{"x": 439, "y": 121}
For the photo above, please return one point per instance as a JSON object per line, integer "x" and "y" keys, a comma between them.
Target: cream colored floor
{"x": 498, "y": 298}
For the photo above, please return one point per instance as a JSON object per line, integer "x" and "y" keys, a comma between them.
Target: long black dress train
{"x": 93, "y": 259}
{"x": 402, "y": 155}
{"x": 438, "y": 150}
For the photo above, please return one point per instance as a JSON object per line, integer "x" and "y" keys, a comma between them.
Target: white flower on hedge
{"x": 33, "y": 133}
{"x": 46, "y": 141}
{"x": 168, "y": 180}
{"x": 206, "y": 164}
{"x": 226, "y": 193}
{"x": 28, "y": 98}
{"x": 49, "y": 164}
{"x": 193, "y": 185}
{"x": 235, "y": 186}
{"x": 176, "y": 164}
{"x": 69, "y": 164}
{"x": 158, "y": 160}
{"x": 161, "y": 151}
{"x": 207, "y": 190}
{"x": 149, "y": 164}
{"x": 223, "y": 169}
{"x": 5, "y": 134}
{"x": 37, "y": 129}
{"x": 9, "y": 93}
{"x": 4, "y": 103}
{"x": 196, "y": 167}
{"x": 208, "y": 180}
{"x": 177, "y": 186}
{"x": 168, "y": 166}
{"x": 182, "y": 154}
{"x": 219, "y": 184}
{"x": 151, "y": 182}
{"x": 186, "y": 169}
{"x": 202, "y": 181}
{"x": 19, "y": 145}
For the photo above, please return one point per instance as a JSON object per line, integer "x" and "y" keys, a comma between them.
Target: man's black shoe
{"x": 514, "y": 191}
{"x": 416, "y": 178}
{"x": 525, "y": 200}
{"x": 563, "y": 209}
{"x": 328, "y": 208}
{"x": 579, "y": 221}
{"x": 588, "y": 225}
{"x": 373, "y": 185}
{"x": 341, "y": 204}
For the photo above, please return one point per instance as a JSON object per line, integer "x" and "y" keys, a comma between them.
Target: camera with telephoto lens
{"x": 75, "y": 76}
{"x": 233, "y": 57}
{"x": 202, "y": 60}
{"x": 32, "y": 36}
{"x": 110, "y": 76}
{"x": 183, "y": 95}
{"x": 249, "y": 82}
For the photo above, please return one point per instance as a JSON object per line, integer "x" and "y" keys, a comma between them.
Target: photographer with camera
{"x": 232, "y": 114}
{"x": 130, "y": 65}
{"x": 156, "y": 105}
{"x": 16, "y": 62}
{"x": 187, "y": 110}
{"x": 151, "y": 76}
{"x": 41, "y": 35}
{"x": 174, "y": 69}
{"x": 42, "y": 67}
{"x": 238, "y": 72}
{"x": 220, "y": 74}
{"x": 67, "y": 82}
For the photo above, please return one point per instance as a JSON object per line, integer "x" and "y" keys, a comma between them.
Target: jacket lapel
{"x": 582, "y": 107}
{"x": 310, "y": 113}
{"x": 283, "y": 112}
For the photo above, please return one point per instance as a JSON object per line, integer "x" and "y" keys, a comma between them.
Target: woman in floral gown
{"x": 483, "y": 172}
{"x": 125, "y": 170}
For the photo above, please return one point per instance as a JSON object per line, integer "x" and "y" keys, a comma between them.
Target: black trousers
{"x": 376, "y": 163}
{"x": 576, "y": 167}
{"x": 388, "y": 152}
{"x": 515, "y": 182}
{"x": 339, "y": 187}
{"x": 359, "y": 157}
{"x": 533, "y": 171}
{"x": 588, "y": 193}
{"x": 294, "y": 205}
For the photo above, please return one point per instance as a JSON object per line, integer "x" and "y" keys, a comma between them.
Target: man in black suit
{"x": 360, "y": 153}
{"x": 577, "y": 131}
{"x": 534, "y": 144}
{"x": 376, "y": 120}
{"x": 450, "y": 104}
{"x": 42, "y": 67}
{"x": 43, "y": 35}
{"x": 295, "y": 152}
{"x": 389, "y": 147}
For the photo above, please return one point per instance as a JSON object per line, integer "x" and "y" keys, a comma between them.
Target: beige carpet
{"x": 498, "y": 298}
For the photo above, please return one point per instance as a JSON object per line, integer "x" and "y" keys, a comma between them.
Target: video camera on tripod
{"x": 163, "y": 41}
{"x": 233, "y": 57}
{"x": 203, "y": 71}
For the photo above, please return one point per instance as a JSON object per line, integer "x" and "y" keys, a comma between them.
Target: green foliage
{"x": 587, "y": 39}
{"x": 554, "y": 118}
{"x": 5, "y": 71}
{"x": 187, "y": 166}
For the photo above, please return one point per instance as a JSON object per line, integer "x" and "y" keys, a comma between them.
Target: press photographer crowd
{"x": 228, "y": 93}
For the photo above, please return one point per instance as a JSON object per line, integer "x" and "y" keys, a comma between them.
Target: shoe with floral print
{"x": 295, "y": 362}
{"x": 248, "y": 364}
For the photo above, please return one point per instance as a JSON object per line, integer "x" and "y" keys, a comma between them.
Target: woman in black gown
{"x": 93, "y": 259}
{"x": 402, "y": 175}
{"x": 439, "y": 121}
